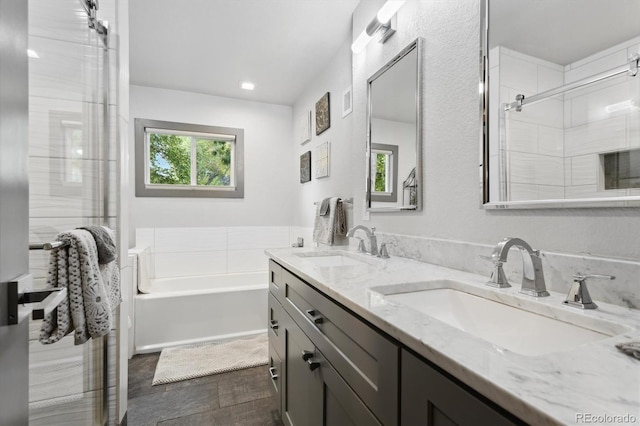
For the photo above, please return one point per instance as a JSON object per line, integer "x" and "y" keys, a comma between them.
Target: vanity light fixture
{"x": 382, "y": 23}
{"x": 247, "y": 85}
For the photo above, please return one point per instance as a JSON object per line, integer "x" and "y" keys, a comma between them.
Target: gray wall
{"x": 451, "y": 128}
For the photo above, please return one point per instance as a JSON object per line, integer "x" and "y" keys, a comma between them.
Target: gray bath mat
{"x": 189, "y": 362}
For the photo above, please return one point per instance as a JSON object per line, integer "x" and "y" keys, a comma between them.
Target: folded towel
{"x": 104, "y": 243}
{"x": 324, "y": 207}
{"x": 93, "y": 290}
{"x": 630, "y": 348}
{"x": 327, "y": 227}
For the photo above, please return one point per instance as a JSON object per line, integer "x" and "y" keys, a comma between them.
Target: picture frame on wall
{"x": 322, "y": 158}
{"x": 323, "y": 114}
{"x": 304, "y": 127}
{"x": 347, "y": 102}
{"x": 305, "y": 167}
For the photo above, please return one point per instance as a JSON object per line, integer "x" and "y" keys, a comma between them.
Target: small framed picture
{"x": 304, "y": 128}
{"x": 347, "y": 102}
{"x": 322, "y": 156}
{"x": 323, "y": 114}
{"x": 305, "y": 167}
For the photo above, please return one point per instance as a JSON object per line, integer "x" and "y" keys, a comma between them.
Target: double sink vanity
{"x": 359, "y": 339}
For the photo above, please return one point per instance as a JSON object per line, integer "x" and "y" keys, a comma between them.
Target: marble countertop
{"x": 591, "y": 383}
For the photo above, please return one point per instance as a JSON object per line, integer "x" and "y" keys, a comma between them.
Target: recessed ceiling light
{"x": 247, "y": 85}
{"x": 32, "y": 54}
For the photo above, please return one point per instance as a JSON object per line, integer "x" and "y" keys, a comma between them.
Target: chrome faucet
{"x": 579, "y": 296}
{"x": 370, "y": 233}
{"x": 532, "y": 276}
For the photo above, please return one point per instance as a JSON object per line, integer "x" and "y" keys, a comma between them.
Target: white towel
{"x": 93, "y": 290}
{"x": 328, "y": 226}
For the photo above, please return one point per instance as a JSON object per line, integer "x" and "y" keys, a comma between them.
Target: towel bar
{"x": 346, "y": 200}
{"x": 53, "y": 245}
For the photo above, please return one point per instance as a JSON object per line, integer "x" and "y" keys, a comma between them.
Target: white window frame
{"x": 145, "y": 127}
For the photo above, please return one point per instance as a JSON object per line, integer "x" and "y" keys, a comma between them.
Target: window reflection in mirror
{"x": 384, "y": 166}
{"x": 563, "y": 94}
{"x": 394, "y": 132}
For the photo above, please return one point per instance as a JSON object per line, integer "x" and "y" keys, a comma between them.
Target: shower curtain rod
{"x": 631, "y": 68}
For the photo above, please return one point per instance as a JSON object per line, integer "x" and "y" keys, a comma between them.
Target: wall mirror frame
{"x": 591, "y": 88}
{"x": 394, "y": 119}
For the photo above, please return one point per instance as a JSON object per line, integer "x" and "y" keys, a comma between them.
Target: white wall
{"x": 335, "y": 79}
{"x": 268, "y": 185}
{"x": 451, "y": 129}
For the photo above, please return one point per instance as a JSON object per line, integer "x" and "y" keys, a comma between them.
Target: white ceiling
{"x": 562, "y": 31}
{"x": 208, "y": 46}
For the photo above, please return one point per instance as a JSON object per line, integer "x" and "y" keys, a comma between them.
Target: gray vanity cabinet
{"x": 315, "y": 394}
{"x": 430, "y": 398}
{"x": 332, "y": 368}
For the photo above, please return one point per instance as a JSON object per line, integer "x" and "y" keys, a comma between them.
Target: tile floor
{"x": 240, "y": 398}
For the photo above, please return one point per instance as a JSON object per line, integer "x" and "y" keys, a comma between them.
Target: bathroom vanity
{"x": 345, "y": 351}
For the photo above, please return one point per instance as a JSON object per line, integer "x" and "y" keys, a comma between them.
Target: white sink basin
{"x": 333, "y": 258}
{"x": 503, "y": 325}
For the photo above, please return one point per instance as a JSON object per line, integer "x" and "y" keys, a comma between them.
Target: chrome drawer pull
{"x": 316, "y": 319}
{"x": 273, "y": 324}
{"x": 307, "y": 355}
{"x": 272, "y": 372}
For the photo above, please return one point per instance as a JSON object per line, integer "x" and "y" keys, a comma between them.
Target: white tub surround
{"x": 188, "y": 310}
{"x": 552, "y": 388}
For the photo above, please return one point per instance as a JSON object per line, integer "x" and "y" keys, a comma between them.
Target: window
{"x": 384, "y": 172}
{"x": 188, "y": 160}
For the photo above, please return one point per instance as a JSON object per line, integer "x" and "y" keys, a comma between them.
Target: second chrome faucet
{"x": 533, "y": 282}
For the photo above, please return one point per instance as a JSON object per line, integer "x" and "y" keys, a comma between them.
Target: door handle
{"x": 273, "y": 324}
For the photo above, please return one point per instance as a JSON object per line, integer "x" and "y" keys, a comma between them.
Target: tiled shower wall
{"x": 66, "y": 186}
{"x": 552, "y": 148}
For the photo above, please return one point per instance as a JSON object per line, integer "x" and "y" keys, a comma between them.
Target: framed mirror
{"x": 560, "y": 103}
{"x": 394, "y": 134}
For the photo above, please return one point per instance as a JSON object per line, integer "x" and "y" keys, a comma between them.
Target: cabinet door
{"x": 363, "y": 357}
{"x": 275, "y": 373}
{"x": 302, "y": 393}
{"x": 429, "y": 398}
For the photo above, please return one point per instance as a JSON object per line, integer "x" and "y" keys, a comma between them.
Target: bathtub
{"x": 188, "y": 310}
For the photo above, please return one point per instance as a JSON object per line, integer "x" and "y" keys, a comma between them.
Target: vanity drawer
{"x": 275, "y": 280}
{"x": 277, "y": 318}
{"x": 364, "y": 358}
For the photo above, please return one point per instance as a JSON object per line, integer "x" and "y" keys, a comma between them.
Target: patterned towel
{"x": 93, "y": 290}
{"x": 327, "y": 227}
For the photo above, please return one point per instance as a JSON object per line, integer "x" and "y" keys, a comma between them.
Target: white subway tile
{"x": 601, "y": 136}
{"x": 145, "y": 238}
{"x": 254, "y": 237}
{"x": 549, "y": 78}
{"x": 550, "y": 141}
{"x": 247, "y": 261}
{"x": 549, "y": 192}
{"x": 518, "y": 74}
{"x": 188, "y": 264}
{"x": 521, "y": 136}
{"x": 523, "y": 192}
{"x": 584, "y": 170}
{"x": 536, "y": 169}
{"x": 596, "y": 66}
{"x": 171, "y": 240}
